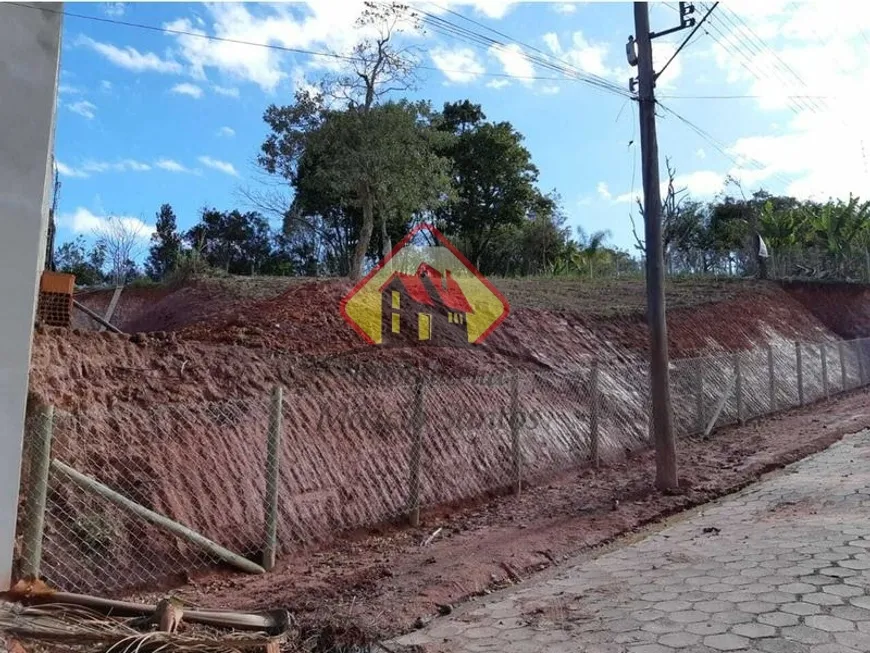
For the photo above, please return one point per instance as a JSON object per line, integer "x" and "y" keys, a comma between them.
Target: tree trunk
{"x": 365, "y": 235}
{"x": 385, "y": 237}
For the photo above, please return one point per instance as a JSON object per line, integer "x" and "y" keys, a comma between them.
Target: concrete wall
{"x": 29, "y": 65}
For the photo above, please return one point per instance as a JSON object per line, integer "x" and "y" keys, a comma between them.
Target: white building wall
{"x": 29, "y": 66}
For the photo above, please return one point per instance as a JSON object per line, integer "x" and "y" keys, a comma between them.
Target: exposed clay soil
{"x": 220, "y": 340}
{"x": 381, "y": 582}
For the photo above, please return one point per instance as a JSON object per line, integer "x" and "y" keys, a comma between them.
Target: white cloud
{"x": 226, "y": 91}
{"x": 221, "y": 166}
{"x": 114, "y": 9}
{"x": 68, "y": 89}
{"x": 699, "y": 184}
{"x": 813, "y": 65}
{"x": 603, "y": 191}
{"x": 662, "y": 52}
{"x": 498, "y": 83}
{"x": 700, "y": 153}
{"x": 130, "y": 58}
{"x": 191, "y": 90}
{"x": 228, "y": 132}
{"x": 514, "y": 61}
{"x": 84, "y": 221}
{"x": 565, "y": 7}
{"x": 583, "y": 54}
{"x": 106, "y": 85}
{"x": 89, "y": 167}
{"x": 83, "y": 108}
{"x": 69, "y": 171}
{"x": 459, "y": 66}
{"x": 170, "y": 165}
{"x": 550, "y": 89}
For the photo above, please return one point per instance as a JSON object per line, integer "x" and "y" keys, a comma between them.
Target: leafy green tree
{"x": 87, "y": 265}
{"x": 358, "y": 164}
{"x": 238, "y": 243}
{"x": 166, "y": 245}
{"x": 492, "y": 175}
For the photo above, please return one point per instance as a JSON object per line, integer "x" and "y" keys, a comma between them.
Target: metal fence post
{"x": 700, "y": 396}
{"x": 800, "y": 372}
{"x": 823, "y": 354}
{"x": 593, "y": 416}
{"x": 516, "y": 452}
{"x": 273, "y": 471}
{"x": 738, "y": 389}
{"x": 417, "y": 420}
{"x": 771, "y": 378}
{"x": 844, "y": 377}
{"x": 39, "y": 463}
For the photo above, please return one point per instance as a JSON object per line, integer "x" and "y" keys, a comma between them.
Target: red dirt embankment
{"x": 348, "y": 406}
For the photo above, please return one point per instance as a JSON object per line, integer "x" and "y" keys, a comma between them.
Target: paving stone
{"x": 822, "y": 598}
{"x": 778, "y": 619}
{"x": 843, "y": 591}
{"x": 708, "y": 628}
{"x": 679, "y": 640}
{"x": 688, "y": 617}
{"x": 786, "y": 584}
{"x": 829, "y": 623}
{"x": 805, "y": 635}
{"x": 856, "y": 640}
{"x": 756, "y": 607}
{"x": 733, "y": 617}
{"x": 726, "y": 642}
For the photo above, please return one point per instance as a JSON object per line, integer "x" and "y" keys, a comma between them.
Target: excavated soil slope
{"x": 177, "y": 419}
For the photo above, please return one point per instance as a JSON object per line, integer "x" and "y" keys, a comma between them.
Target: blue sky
{"x": 146, "y": 117}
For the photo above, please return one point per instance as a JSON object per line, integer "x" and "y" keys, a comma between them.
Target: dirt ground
{"x": 380, "y": 583}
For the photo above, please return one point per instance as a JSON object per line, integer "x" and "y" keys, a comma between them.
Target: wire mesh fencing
{"x": 128, "y": 496}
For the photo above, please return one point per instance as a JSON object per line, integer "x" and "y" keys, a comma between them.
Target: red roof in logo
{"x": 446, "y": 288}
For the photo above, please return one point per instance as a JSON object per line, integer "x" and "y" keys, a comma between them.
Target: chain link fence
{"x": 125, "y": 497}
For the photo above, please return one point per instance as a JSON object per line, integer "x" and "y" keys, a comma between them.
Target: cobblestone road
{"x": 782, "y": 567}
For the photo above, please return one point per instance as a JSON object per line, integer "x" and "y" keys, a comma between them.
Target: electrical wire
{"x": 718, "y": 145}
{"x": 269, "y": 46}
{"x": 548, "y": 57}
{"x": 687, "y": 39}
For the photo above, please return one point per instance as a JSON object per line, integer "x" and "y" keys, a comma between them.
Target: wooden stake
{"x": 516, "y": 451}
{"x": 823, "y": 353}
{"x": 273, "y": 474}
{"x": 594, "y": 446}
{"x": 39, "y": 457}
{"x": 738, "y": 389}
{"x": 417, "y": 422}
{"x": 700, "y": 396}
{"x": 844, "y": 377}
{"x": 92, "y": 485}
{"x": 771, "y": 377}
{"x": 800, "y": 372}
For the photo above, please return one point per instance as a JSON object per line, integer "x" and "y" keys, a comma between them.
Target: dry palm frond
{"x": 85, "y": 630}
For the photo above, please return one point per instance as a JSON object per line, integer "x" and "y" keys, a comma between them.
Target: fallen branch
{"x": 90, "y": 630}
{"x": 273, "y": 621}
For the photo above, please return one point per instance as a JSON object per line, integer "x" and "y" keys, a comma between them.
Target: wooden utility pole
{"x": 662, "y": 420}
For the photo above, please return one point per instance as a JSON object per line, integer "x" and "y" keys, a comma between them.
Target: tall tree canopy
{"x": 492, "y": 175}
{"x": 165, "y": 245}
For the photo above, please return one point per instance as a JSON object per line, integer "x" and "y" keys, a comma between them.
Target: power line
{"x": 269, "y": 46}
{"x": 718, "y": 145}
{"x": 747, "y": 63}
{"x": 687, "y": 39}
{"x": 542, "y": 59}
